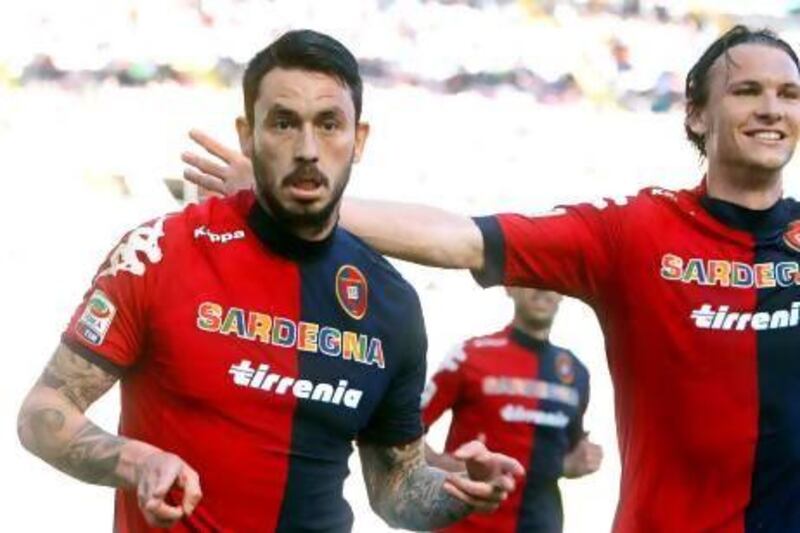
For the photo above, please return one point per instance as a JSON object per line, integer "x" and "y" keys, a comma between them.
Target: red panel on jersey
{"x": 657, "y": 269}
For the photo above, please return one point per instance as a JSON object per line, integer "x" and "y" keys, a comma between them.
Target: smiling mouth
{"x": 766, "y": 135}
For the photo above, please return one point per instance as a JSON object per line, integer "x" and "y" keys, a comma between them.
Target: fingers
{"x": 480, "y": 506}
{"x": 482, "y": 496}
{"x": 160, "y": 514}
{"x": 509, "y": 465}
{"x": 473, "y": 449}
{"x": 484, "y": 490}
{"x": 484, "y": 464}
{"x": 204, "y": 181}
{"x": 160, "y": 472}
{"x": 212, "y": 145}
{"x": 189, "y": 481}
{"x": 204, "y": 165}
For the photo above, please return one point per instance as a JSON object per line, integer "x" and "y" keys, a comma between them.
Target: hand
{"x": 235, "y": 174}
{"x": 584, "y": 459}
{"x": 489, "y": 479}
{"x": 155, "y": 476}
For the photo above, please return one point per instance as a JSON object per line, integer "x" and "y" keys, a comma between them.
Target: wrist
{"x": 133, "y": 455}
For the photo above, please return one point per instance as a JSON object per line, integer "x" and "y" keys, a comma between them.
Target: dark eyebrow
{"x": 744, "y": 83}
{"x": 281, "y": 109}
{"x": 331, "y": 112}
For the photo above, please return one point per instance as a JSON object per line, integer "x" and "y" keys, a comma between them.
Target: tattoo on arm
{"x": 53, "y": 425}
{"x": 79, "y": 380}
{"x": 405, "y": 491}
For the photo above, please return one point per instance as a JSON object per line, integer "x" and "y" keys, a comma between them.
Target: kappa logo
{"x": 221, "y": 238}
{"x": 96, "y": 319}
{"x": 792, "y": 236}
{"x": 352, "y": 291}
{"x": 125, "y": 257}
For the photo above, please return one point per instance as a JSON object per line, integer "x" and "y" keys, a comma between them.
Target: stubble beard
{"x": 305, "y": 222}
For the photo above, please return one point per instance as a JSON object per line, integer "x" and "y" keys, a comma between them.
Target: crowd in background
{"x": 628, "y": 53}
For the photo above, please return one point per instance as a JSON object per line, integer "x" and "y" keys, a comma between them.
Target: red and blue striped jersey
{"x": 526, "y": 398}
{"x": 699, "y": 302}
{"x": 256, "y": 357}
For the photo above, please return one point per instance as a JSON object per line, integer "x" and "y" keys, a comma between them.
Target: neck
{"x": 541, "y": 333}
{"x": 744, "y": 186}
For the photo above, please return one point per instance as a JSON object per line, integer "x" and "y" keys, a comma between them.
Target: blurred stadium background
{"x": 475, "y": 105}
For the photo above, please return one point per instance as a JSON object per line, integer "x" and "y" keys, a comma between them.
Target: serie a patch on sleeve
{"x": 96, "y": 319}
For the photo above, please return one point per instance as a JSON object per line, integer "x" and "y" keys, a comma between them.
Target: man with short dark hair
{"x": 254, "y": 341}
{"x": 524, "y": 397}
{"x": 697, "y": 292}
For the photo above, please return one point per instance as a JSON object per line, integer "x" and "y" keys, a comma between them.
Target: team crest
{"x": 565, "y": 369}
{"x": 96, "y": 318}
{"x": 792, "y": 236}
{"x": 352, "y": 291}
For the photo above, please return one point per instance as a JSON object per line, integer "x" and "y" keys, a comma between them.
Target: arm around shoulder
{"x": 417, "y": 233}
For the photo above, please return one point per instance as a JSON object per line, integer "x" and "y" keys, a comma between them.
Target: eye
{"x": 282, "y": 124}
{"x": 790, "y": 93}
{"x": 746, "y": 90}
{"x": 330, "y": 125}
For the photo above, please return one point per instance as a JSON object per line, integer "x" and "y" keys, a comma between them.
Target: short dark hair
{"x": 697, "y": 82}
{"x": 305, "y": 50}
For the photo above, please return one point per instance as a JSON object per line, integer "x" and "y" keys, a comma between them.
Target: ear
{"x": 362, "y": 132}
{"x": 245, "y": 136}
{"x": 696, "y": 120}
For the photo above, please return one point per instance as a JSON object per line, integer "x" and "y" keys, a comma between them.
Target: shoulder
{"x": 793, "y": 206}
{"x": 482, "y": 343}
{"x": 163, "y": 238}
{"x": 569, "y": 363}
{"x": 378, "y": 269}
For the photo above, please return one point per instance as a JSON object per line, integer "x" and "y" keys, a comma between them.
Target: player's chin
{"x": 770, "y": 159}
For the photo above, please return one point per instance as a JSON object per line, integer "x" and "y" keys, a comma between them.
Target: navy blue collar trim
{"x": 279, "y": 239}
{"x": 526, "y": 341}
{"x": 762, "y": 222}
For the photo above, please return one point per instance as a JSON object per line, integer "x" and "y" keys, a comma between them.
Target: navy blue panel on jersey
{"x": 541, "y": 511}
{"x": 775, "y": 490}
{"x": 382, "y": 309}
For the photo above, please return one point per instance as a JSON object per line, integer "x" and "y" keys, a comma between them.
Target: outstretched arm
{"x": 52, "y": 425}
{"x": 417, "y": 233}
{"x": 406, "y": 492}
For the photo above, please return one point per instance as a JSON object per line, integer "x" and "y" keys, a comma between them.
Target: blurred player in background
{"x": 255, "y": 340}
{"x": 524, "y": 397}
{"x": 696, "y": 292}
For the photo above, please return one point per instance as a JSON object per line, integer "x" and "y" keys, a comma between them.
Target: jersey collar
{"x": 277, "y": 238}
{"x": 760, "y": 222}
{"x": 526, "y": 341}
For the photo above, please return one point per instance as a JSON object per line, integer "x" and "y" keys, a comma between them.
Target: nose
{"x": 306, "y": 149}
{"x": 770, "y": 108}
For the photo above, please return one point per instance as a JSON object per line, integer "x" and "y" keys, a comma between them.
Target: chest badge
{"x": 792, "y": 236}
{"x": 352, "y": 291}
{"x": 565, "y": 370}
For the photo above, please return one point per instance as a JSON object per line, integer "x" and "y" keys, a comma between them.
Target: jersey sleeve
{"x": 575, "y": 429}
{"x": 397, "y": 419}
{"x": 570, "y": 250}
{"x": 108, "y": 326}
{"x": 445, "y": 387}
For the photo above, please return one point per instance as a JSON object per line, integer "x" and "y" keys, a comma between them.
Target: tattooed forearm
{"x": 52, "y": 425}
{"x": 90, "y": 454}
{"x": 77, "y": 379}
{"x": 405, "y": 491}
{"x": 93, "y": 455}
